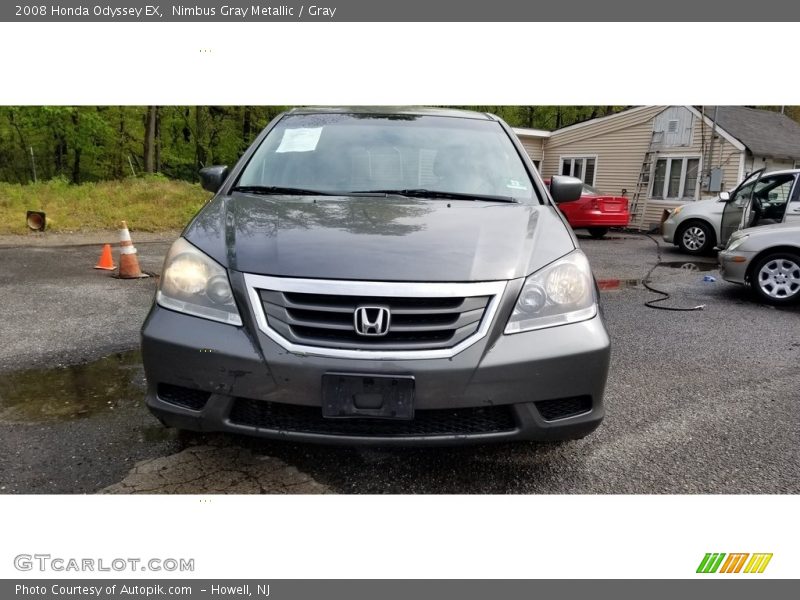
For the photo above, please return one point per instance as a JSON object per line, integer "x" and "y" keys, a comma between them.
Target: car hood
{"x": 379, "y": 238}
{"x": 703, "y": 207}
{"x": 789, "y": 231}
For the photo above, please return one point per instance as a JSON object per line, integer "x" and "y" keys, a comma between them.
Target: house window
{"x": 582, "y": 167}
{"x": 675, "y": 178}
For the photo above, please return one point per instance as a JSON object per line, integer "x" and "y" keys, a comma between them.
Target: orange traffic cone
{"x": 106, "y": 261}
{"x": 128, "y": 263}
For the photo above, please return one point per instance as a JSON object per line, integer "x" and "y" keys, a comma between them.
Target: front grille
{"x": 552, "y": 410}
{"x": 326, "y": 320}
{"x": 181, "y": 396}
{"x": 308, "y": 419}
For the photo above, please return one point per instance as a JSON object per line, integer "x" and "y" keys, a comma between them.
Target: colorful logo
{"x": 734, "y": 563}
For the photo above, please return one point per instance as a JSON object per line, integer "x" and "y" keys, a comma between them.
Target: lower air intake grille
{"x": 308, "y": 419}
{"x": 181, "y": 396}
{"x": 552, "y": 410}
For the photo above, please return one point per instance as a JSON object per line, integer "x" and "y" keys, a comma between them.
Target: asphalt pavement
{"x": 705, "y": 401}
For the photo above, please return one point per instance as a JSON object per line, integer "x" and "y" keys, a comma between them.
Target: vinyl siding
{"x": 603, "y": 125}
{"x": 770, "y": 164}
{"x": 534, "y": 146}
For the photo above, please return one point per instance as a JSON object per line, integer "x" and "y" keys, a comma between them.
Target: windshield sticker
{"x": 303, "y": 139}
{"x": 513, "y": 184}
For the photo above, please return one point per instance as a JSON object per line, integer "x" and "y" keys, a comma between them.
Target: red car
{"x": 595, "y": 211}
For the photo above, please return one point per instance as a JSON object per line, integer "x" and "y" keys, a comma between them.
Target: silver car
{"x": 766, "y": 258}
{"x": 761, "y": 199}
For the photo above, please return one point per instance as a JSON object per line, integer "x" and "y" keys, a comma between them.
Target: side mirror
{"x": 212, "y": 178}
{"x": 724, "y": 196}
{"x": 565, "y": 189}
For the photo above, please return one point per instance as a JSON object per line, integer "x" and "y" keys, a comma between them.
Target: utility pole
{"x": 711, "y": 149}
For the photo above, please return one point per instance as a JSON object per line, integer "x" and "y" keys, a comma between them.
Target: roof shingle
{"x": 765, "y": 133}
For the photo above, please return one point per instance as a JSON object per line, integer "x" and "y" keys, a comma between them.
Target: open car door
{"x": 737, "y": 208}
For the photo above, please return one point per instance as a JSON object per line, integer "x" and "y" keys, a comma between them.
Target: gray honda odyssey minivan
{"x": 387, "y": 276}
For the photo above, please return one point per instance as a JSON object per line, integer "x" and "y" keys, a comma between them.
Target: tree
{"x": 150, "y": 127}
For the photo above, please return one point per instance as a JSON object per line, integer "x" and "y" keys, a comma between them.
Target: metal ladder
{"x": 639, "y": 203}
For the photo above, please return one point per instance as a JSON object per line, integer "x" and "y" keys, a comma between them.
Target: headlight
{"x": 677, "y": 210}
{"x": 735, "y": 243}
{"x": 195, "y": 284}
{"x": 560, "y": 293}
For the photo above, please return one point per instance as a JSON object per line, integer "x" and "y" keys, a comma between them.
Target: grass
{"x": 147, "y": 203}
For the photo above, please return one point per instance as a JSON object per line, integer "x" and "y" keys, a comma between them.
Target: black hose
{"x": 666, "y": 296}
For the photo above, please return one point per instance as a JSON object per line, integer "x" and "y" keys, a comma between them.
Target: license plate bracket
{"x": 349, "y": 395}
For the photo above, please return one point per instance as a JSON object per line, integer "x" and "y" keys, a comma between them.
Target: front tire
{"x": 597, "y": 232}
{"x": 776, "y": 278}
{"x": 696, "y": 238}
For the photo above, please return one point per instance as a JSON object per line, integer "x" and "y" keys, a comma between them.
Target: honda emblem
{"x": 372, "y": 320}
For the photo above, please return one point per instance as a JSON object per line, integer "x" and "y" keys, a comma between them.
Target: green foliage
{"x": 97, "y": 143}
{"x": 151, "y": 203}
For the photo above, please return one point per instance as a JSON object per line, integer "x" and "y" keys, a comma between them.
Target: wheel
{"x": 776, "y": 278}
{"x": 695, "y": 237}
{"x": 597, "y": 232}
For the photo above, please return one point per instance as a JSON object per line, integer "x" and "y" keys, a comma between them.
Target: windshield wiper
{"x": 433, "y": 194}
{"x": 276, "y": 190}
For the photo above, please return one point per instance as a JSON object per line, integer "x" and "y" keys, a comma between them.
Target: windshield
{"x": 341, "y": 153}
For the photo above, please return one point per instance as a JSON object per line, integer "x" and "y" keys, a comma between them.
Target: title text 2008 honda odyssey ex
{"x": 381, "y": 276}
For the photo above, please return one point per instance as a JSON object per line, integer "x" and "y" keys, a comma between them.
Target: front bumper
{"x": 540, "y": 385}
{"x": 668, "y": 228}
{"x": 733, "y": 266}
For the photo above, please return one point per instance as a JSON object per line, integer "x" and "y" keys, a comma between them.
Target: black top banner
{"x": 406, "y": 11}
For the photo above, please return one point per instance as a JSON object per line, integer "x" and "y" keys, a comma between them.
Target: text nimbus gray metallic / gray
{"x": 242, "y": 12}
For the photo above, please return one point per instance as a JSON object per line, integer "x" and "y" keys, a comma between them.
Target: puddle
{"x": 688, "y": 265}
{"x": 615, "y": 285}
{"x": 79, "y": 391}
